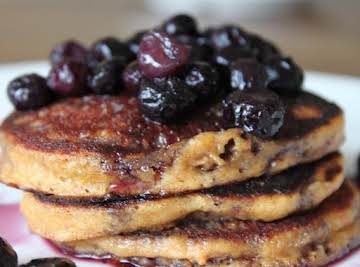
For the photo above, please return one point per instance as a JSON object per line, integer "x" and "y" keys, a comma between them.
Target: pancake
{"x": 265, "y": 198}
{"x": 310, "y": 239}
{"x": 97, "y": 145}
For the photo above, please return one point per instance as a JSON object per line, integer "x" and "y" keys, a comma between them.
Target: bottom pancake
{"x": 313, "y": 238}
{"x": 265, "y": 198}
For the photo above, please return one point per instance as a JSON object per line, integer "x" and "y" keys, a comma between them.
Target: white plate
{"x": 343, "y": 90}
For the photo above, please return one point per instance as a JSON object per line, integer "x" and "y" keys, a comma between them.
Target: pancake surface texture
{"x": 96, "y": 145}
{"x": 264, "y": 198}
{"x": 313, "y": 238}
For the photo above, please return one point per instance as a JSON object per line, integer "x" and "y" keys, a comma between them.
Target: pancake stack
{"x": 101, "y": 180}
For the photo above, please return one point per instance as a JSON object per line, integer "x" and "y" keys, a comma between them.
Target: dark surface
{"x": 129, "y": 132}
{"x": 286, "y": 182}
{"x": 8, "y": 256}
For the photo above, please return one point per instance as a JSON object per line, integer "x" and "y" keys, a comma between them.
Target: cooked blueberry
{"x": 199, "y": 51}
{"x": 134, "y": 42}
{"x": 68, "y": 50}
{"x": 29, "y": 92}
{"x": 260, "y": 112}
{"x": 180, "y": 24}
{"x": 231, "y": 53}
{"x": 68, "y": 78}
{"x": 132, "y": 76}
{"x": 50, "y": 262}
{"x": 263, "y": 48}
{"x": 202, "y": 78}
{"x": 8, "y": 257}
{"x": 106, "y": 78}
{"x": 109, "y": 48}
{"x": 283, "y": 74}
{"x": 229, "y": 35}
{"x": 165, "y": 99}
{"x": 247, "y": 73}
{"x": 161, "y": 55}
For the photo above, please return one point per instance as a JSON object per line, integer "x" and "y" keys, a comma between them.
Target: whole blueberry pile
{"x": 172, "y": 69}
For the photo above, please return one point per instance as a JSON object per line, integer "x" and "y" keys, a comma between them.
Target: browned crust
{"x": 314, "y": 237}
{"x": 50, "y": 156}
{"x": 265, "y": 198}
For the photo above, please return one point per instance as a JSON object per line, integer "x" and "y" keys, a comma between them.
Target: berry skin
{"x": 109, "y": 48}
{"x": 165, "y": 99}
{"x": 202, "y": 78}
{"x": 259, "y": 112}
{"x": 161, "y": 55}
{"x": 68, "y": 78}
{"x": 283, "y": 74}
{"x": 50, "y": 262}
{"x": 263, "y": 48}
{"x": 29, "y": 92}
{"x": 134, "y": 42}
{"x": 247, "y": 74}
{"x": 68, "y": 50}
{"x": 132, "y": 76}
{"x": 180, "y": 24}
{"x": 229, "y": 35}
{"x": 231, "y": 53}
{"x": 199, "y": 50}
{"x": 106, "y": 78}
{"x": 8, "y": 256}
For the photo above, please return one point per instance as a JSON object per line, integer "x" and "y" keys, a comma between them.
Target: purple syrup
{"x": 13, "y": 229}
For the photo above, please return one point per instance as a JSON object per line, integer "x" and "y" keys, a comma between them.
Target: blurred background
{"x": 320, "y": 34}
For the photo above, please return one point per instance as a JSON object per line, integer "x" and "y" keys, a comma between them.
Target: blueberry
{"x": 229, "y": 35}
{"x": 134, "y": 42}
{"x": 8, "y": 257}
{"x": 29, "y": 92}
{"x": 161, "y": 55}
{"x": 283, "y": 74}
{"x": 180, "y": 24}
{"x": 50, "y": 262}
{"x": 199, "y": 50}
{"x": 263, "y": 48}
{"x": 68, "y": 78}
{"x": 106, "y": 78}
{"x": 131, "y": 77}
{"x": 202, "y": 78}
{"x": 165, "y": 99}
{"x": 68, "y": 50}
{"x": 109, "y": 48}
{"x": 247, "y": 73}
{"x": 255, "y": 111}
{"x": 231, "y": 53}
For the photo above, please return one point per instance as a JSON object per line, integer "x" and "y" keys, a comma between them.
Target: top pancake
{"x": 96, "y": 145}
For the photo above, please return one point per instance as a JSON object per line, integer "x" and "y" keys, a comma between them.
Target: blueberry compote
{"x": 8, "y": 256}
{"x": 174, "y": 70}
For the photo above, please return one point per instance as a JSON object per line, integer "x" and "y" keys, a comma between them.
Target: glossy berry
{"x": 229, "y": 54}
{"x": 68, "y": 78}
{"x": 50, "y": 262}
{"x": 8, "y": 257}
{"x": 263, "y": 48}
{"x": 199, "y": 50}
{"x": 180, "y": 24}
{"x": 165, "y": 99}
{"x": 29, "y": 92}
{"x": 68, "y": 50}
{"x": 203, "y": 79}
{"x": 161, "y": 55}
{"x": 131, "y": 77}
{"x": 247, "y": 74}
{"x": 283, "y": 74}
{"x": 260, "y": 112}
{"x": 106, "y": 78}
{"x": 109, "y": 48}
{"x": 229, "y": 35}
{"x": 134, "y": 42}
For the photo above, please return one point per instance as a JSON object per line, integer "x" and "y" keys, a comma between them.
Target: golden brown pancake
{"x": 100, "y": 145}
{"x": 265, "y": 198}
{"x": 310, "y": 239}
